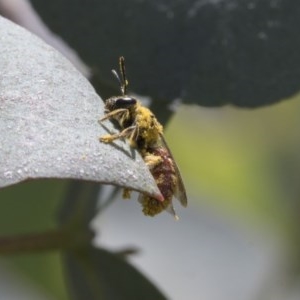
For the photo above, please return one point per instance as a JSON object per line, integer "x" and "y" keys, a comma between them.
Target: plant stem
{"x": 46, "y": 241}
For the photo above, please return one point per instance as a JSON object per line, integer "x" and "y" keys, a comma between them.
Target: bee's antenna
{"x": 118, "y": 78}
{"x": 123, "y": 74}
{"x": 123, "y": 80}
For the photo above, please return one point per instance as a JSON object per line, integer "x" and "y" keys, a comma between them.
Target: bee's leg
{"x": 126, "y": 193}
{"x": 133, "y": 136}
{"x": 123, "y": 134}
{"x": 152, "y": 160}
{"x": 114, "y": 113}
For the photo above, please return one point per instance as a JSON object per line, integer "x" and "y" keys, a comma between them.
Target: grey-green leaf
{"x": 49, "y": 120}
{"x": 99, "y": 274}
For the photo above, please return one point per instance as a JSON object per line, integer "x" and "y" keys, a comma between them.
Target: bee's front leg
{"x": 123, "y": 134}
{"x": 114, "y": 114}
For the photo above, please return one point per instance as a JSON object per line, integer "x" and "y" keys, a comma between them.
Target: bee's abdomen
{"x": 164, "y": 173}
{"x": 165, "y": 178}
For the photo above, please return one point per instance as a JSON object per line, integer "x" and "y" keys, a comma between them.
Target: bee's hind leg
{"x": 152, "y": 160}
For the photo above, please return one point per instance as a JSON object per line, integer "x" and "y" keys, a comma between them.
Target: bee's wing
{"x": 180, "y": 192}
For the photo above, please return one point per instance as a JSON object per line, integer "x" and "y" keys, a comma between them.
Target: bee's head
{"x": 118, "y": 102}
{"x": 123, "y": 101}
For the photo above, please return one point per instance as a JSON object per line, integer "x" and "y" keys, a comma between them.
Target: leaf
{"x": 48, "y": 120}
{"x": 99, "y": 274}
{"x": 207, "y": 52}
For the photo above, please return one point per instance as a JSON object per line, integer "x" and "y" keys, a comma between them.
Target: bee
{"x": 144, "y": 133}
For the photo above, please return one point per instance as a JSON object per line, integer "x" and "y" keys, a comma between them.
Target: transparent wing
{"x": 180, "y": 192}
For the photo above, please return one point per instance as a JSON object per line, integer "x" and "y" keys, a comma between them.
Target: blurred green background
{"x": 246, "y": 160}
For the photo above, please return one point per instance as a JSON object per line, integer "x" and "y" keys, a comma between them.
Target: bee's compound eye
{"x": 124, "y": 102}
{"x": 110, "y": 104}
